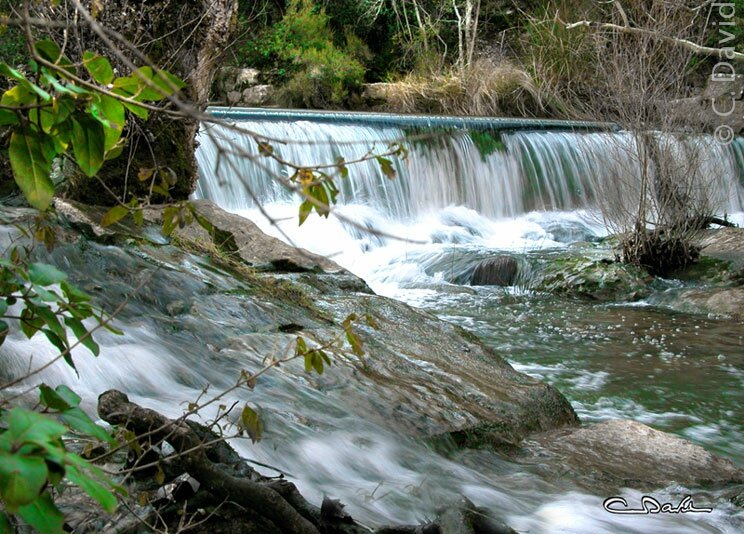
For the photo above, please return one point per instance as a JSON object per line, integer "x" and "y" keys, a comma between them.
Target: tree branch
{"x": 695, "y": 48}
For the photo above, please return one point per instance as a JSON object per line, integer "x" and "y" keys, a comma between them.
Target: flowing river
{"x": 458, "y": 199}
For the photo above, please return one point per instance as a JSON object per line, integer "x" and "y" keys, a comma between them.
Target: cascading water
{"x": 466, "y": 194}
{"x": 496, "y": 174}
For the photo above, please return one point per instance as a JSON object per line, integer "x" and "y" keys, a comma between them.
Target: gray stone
{"x": 727, "y": 301}
{"x": 233, "y": 97}
{"x": 622, "y": 453}
{"x": 177, "y": 307}
{"x": 260, "y": 95}
{"x": 419, "y": 376}
{"x": 498, "y": 271}
{"x": 247, "y": 77}
{"x": 467, "y": 518}
{"x": 241, "y": 236}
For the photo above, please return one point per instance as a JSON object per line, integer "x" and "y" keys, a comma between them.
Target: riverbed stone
{"x": 230, "y": 234}
{"x": 724, "y": 243}
{"x": 586, "y": 277}
{"x": 722, "y": 301}
{"x": 497, "y": 271}
{"x": 622, "y": 453}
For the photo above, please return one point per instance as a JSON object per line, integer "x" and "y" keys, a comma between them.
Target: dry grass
{"x": 484, "y": 88}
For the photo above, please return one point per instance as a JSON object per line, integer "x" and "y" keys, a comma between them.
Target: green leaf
{"x": 320, "y": 192}
{"x": 88, "y": 144}
{"x": 110, "y": 113}
{"x": 43, "y": 515}
{"x": 31, "y": 161}
{"x": 355, "y": 342}
{"x": 62, "y": 398}
{"x": 318, "y": 363}
{"x": 52, "y": 321}
{"x": 17, "y": 96}
{"x": 387, "y": 167}
{"x": 78, "y": 420}
{"x": 170, "y": 220}
{"x": 8, "y": 117}
{"x": 305, "y": 209}
{"x": 251, "y": 423}
{"x": 73, "y": 294}
{"x": 301, "y": 348}
{"x": 201, "y": 220}
{"x": 78, "y": 328}
{"x": 50, "y": 51}
{"x": 114, "y": 215}
{"x": 164, "y": 82}
{"x": 14, "y": 74}
{"x": 43, "y": 274}
{"x": 24, "y": 426}
{"x": 93, "y": 488}
{"x": 30, "y": 323}
{"x": 4, "y": 330}
{"x": 61, "y": 345}
{"x": 98, "y": 67}
{"x": 42, "y": 118}
{"x": 21, "y": 478}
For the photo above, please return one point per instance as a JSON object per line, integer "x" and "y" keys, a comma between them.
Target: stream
{"x": 452, "y": 206}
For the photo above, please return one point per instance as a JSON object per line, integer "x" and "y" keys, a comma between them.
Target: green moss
{"x": 595, "y": 279}
{"x": 487, "y": 143}
{"x": 709, "y": 271}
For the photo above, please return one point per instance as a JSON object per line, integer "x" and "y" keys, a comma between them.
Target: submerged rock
{"x": 497, "y": 271}
{"x": 599, "y": 279}
{"x": 621, "y": 453}
{"x": 721, "y": 301}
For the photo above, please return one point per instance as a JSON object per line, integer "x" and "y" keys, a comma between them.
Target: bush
{"x": 301, "y": 54}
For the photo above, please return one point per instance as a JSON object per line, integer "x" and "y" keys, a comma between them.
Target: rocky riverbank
{"x": 232, "y": 297}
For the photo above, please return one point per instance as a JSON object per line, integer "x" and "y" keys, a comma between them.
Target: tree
{"x": 186, "y": 39}
{"x": 634, "y": 65}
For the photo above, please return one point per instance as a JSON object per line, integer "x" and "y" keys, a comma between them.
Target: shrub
{"x": 301, "y": 53}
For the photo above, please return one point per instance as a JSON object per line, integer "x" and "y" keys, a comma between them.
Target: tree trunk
{"x": 184, "y": 38}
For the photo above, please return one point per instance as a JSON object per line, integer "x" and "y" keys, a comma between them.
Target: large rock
{"x": 621, "y": 453}
{"x": 260, "y": 95}
{"x": 720, "y": 301}
{"x": 419, "y": 376}
{"x": 725, "y": 243}
{"x": 231, "y": 234}
{"x": 601, "y": 279}
{"x": 242, "y": 237}
{"x": 498, "y": 271}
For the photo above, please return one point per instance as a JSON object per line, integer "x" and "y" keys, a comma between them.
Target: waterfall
{"x": 497, "y": 173}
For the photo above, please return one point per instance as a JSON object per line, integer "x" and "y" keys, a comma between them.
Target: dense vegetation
{"x": 466, "y": 56}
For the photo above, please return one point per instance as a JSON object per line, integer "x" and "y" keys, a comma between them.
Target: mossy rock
{"x": 709, "y": 271}
{"x": 601, "y": 279}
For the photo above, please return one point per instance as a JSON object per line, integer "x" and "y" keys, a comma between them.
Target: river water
{"x": 455, "y": 201}
{"x": 453, "y": 204}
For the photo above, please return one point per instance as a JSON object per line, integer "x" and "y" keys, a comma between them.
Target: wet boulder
{"x": 596, "y": 279}
{"x": 622, "y": 453}
{"x": 496, "y": 271}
